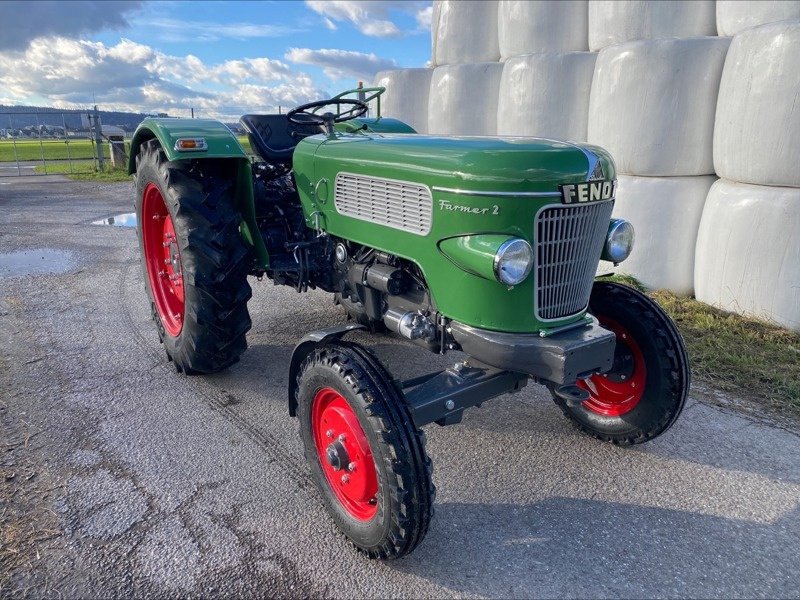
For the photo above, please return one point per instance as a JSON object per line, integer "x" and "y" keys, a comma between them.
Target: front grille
{"x": 569, "y": 240}
{"x": 398, "y": 204}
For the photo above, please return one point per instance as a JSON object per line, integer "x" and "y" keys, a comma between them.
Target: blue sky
{"x": 221, "y": 58}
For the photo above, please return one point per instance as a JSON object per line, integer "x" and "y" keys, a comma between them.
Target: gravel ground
{"x": 160, "y": 484}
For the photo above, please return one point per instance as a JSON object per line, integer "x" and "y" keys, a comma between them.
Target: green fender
{"x": 220, "y": 143}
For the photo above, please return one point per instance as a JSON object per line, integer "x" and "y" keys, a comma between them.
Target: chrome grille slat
{"x": 400, "y": 205}
{"x": 569, "y": 239}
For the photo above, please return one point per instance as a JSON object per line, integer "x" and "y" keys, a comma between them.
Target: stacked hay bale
{"x": 734, "y": 15}
{"x": 406, "y": 97}
{"x": 544, "y": 90}
{"x": 748, "y": 248}
{"x": 615, "y": 22}
{"x": 652, "y": 107}
{"x": 649, "y": 97}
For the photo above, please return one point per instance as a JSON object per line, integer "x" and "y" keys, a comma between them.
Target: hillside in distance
{"x": 19, "y": 117}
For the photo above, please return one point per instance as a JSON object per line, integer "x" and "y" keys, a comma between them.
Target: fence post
{"x": 98, "y": 139}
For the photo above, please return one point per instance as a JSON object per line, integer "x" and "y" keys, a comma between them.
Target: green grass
{"x": 754, "y": 359}
{"x": 77, "y": 166}
{"x": 84, "y": 171}
{"x": 13, "y": 150}
{"x": 112, "y": 176}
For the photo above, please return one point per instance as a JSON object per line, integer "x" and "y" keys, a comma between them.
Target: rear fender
{"x": 219, "y": 143}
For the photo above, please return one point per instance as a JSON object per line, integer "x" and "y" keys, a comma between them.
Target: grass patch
{"x": 65, "y": 168}
{"x": 735, "y": 353}
{"x": 50, "y": 149}
{"x": 86, "y": 171}
{"x": 112, "y": 176}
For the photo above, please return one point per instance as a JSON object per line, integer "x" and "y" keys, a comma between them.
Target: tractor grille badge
{"x": 587, "y": 191}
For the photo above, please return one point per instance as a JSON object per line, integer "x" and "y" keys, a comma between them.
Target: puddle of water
{"x": 42, "y": 261}
{"x": 123, "y": 220}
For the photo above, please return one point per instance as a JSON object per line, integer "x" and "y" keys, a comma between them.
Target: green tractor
{"x": 484, "y": 245}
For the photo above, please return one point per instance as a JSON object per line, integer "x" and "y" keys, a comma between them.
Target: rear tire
{"x": 195, "y": 261}
{"x": 646, "y": 389}
{"x": 385, "y": 504}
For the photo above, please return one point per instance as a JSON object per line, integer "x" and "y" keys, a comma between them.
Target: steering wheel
{"x": 357, "y": 109}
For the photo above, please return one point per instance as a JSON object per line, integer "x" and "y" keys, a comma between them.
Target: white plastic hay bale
{"x": 526, "y": 27}
{"x": 406, "y": 96}
{"x": 546, "y": 95}
{"x": 735, "y": 15}
{"x": 748, "y": 251}
{"x": 614, "y": 21}
{"x": 653, "y": 102}
{"x": 665, "y": 212}
{"x": 464, "y": 32}
{"x": 463, "y": 99}
{"x": 757, "y": 131}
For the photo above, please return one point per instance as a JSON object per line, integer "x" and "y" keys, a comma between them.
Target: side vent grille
{"x": 401, "y": 205}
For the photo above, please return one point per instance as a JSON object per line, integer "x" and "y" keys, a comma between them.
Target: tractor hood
{"x": 485, "y": 165}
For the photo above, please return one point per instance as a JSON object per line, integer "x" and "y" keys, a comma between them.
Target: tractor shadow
{"x": 576, "y": 548}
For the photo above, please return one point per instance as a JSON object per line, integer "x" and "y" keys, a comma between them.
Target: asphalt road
{"x": 197, "y": 485}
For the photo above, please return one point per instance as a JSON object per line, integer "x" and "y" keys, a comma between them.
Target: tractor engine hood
{"x": 487, "y": 165}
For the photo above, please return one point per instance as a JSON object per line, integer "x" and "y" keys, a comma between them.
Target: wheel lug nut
{"x": 329, "y": 433}
{"x": 345, "y": 478}
{"x": 342, "y": 437}
{"x": 351, "y": 467}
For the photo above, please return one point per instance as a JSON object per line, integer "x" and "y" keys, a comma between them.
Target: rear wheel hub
{"x": 163, "y": 260}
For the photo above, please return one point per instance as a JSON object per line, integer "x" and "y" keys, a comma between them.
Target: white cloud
{"x": 341, "y": 64}
{"x": 371, "y": 17}
{"x": 175, "y": 30}
{"x": 424, "y": 16}
{"x": 25, "y": 21}
{"x": 132, "y": 76}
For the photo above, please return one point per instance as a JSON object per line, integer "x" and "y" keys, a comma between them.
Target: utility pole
{"x": 98, "y": 139}
{"x": 193, "y": 113}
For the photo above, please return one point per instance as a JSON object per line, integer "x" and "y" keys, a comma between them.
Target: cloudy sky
{"x": 221, "y": 58}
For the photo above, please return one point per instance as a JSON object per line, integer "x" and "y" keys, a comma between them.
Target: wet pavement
{"x": 164, "y": 484}
{"x": 39, "y": 261}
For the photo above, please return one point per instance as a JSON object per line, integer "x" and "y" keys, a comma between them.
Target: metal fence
{"x": 44, "y": 143}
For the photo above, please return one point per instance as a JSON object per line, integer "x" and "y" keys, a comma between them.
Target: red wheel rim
{"x": 163, "y": 260}
{"x": 344, "y": 454}
{"x": 608, "y": 395}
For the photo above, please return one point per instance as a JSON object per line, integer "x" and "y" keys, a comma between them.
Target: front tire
{"x": 195, "y": 261}
{"x": 646, "y": 389}
{"x": 366, "y": 457}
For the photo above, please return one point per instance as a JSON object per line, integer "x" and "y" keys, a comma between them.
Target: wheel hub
{"x": 337, "y": 457}
{"x": 623, "y": 367}
{"x": 619, "y": 391}
{"x": 162, "y": 256}
{"x": 344, "y": 454}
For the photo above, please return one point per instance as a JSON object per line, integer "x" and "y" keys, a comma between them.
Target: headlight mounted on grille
{"x": 513, "y": 261}
{"x": 619, "y": 241}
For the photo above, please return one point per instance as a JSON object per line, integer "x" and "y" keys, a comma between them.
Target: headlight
{"x": 513, "y": 261}
{"x": 619, "y": 241}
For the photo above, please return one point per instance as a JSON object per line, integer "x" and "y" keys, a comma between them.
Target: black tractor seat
{"x": 273, "y": 137}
